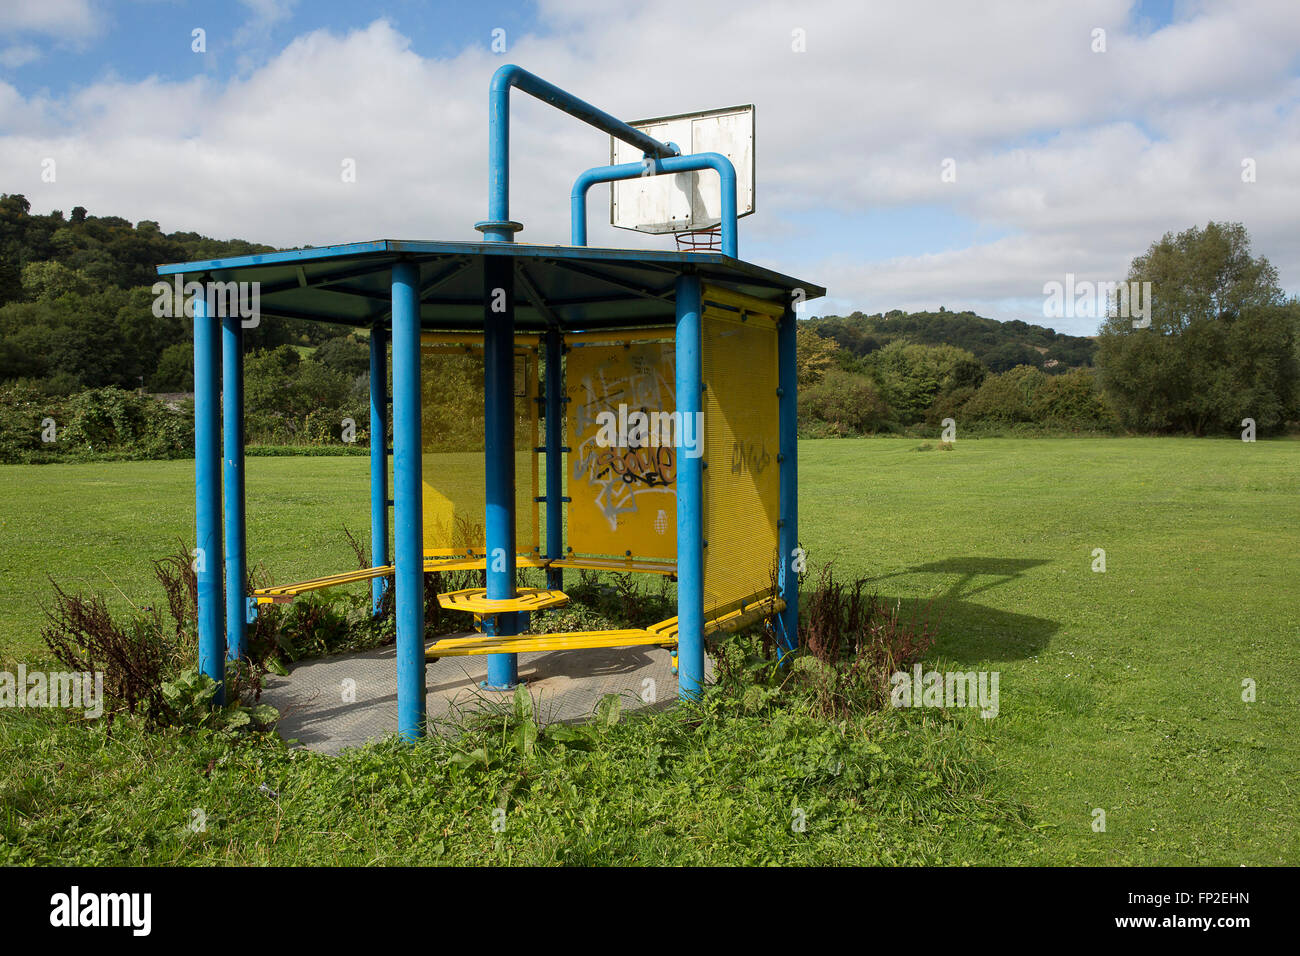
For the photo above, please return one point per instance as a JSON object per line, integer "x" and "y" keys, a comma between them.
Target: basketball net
{"x": 700, "y": 240}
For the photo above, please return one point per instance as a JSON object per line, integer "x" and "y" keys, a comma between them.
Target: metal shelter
{"x": 503, "y": 292}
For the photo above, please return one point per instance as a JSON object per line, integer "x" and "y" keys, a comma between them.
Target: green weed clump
{"x": 147, "y": 655}
{"x": 851, "y": 642}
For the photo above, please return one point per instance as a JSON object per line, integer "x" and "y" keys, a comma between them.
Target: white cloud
{"x": 1076, "y": 160}
{"x": 20, "y": 54}
{"x": 264, "y": 16}
{"x": 56, "y": 18}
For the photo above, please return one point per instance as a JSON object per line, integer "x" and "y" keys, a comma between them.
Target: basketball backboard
{"x": 685, "y": 201}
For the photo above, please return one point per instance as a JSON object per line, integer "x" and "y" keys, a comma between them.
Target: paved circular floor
{"x": 330, "y": 703}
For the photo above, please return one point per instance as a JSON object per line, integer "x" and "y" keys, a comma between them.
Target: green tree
{"x": 175, "y": 372}
{"x": 1005, "y": 399}
{"x": 847, "y": 401}
{"x": 1221, "y": 345}
{"x": 814, "y": 356}
{"x": 346, "y": 354}
{"x": 49, "y": 280}
{"x": 913, "y": 376}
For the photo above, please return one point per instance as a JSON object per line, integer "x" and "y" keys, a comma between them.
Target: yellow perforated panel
{"x": 452, "y": 438}
{"x": 622, "y": 480}
{"x": 742, "y": 480}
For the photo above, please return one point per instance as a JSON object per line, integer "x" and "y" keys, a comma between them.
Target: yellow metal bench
{"x": 522, "y": 643}
{"x": 663, "y": 634}
{"x": 476, "y": 601}
{"x": 616, "y": 564}
{"x": 284, "y": 593}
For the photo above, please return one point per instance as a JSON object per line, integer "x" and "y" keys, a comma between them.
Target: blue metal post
{"x": 674, "y": 164}
{"x": 499, "y": 453}
{"x": 788, "y": 535}
{"x": 498, "y": 227}
{"x": 690, "y": 492}
{"x": 232, "y": 426}
{"x": 207, "y": 494}
{"x": 408, "y": 504}
{"x": 378, "y": 460}
{"x": 554, "y": 457}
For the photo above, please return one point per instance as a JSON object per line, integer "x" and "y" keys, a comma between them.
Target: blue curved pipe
{"x": 674, "y": 164}
{"x": 498, "y": 227}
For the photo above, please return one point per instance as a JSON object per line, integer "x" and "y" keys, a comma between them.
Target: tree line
{"x": 77, "y": 332}
{"x": 1219, "y": 351}
{"x": 76, "y": 310}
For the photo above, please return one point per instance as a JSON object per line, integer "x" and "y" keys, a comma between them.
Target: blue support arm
{"x": 498, "y": 227}
{"x": 674, "y": 164}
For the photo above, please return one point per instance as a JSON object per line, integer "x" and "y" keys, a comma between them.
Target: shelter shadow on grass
{"x": 969, "y": 632}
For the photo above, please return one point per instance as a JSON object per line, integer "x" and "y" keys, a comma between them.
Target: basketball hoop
{"x": 688, "y": 205}
{"x": 700, "y": 240}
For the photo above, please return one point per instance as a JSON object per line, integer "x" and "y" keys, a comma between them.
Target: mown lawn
{"x": 100, "y": 526}
{"x": 1119, "y": 691}
{"x": 1122, "y": 690}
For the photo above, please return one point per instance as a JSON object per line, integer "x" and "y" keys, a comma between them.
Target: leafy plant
{"x": 854, "y": 641}
{"x": 190, "y": 697}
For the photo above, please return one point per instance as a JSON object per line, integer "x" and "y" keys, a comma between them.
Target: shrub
{"x": 1006, "y": 398}
{"x": 132, "y": 655}
{"x": 949, "y": 405}
{"x": 23, "y": 408}
{"x": 854, "y": 642}
{"x": 1072, "y": 400}
{"x": 175, "y": 371}
{"x": 913, "y": 376}
{"x": 345, "y": 353}
{"x": 849, "y": 403}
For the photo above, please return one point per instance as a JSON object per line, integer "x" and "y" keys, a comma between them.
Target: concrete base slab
{"x": 331, "y": 703}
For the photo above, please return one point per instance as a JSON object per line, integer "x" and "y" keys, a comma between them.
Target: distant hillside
{"x": 999, "y": 345}
{"x": 105, "y": 251}
{"x": 63, "y": 277}
{"x": 76, "y": 306}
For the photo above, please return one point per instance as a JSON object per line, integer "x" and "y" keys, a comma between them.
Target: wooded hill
{"x": 1000, "y": 346}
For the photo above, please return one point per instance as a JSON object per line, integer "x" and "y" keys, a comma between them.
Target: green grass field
{"x": 1119, "y": 691}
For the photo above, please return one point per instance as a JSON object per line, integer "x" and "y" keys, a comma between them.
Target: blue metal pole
{"x": 499, "y": 455}
{"x": 207, "y": 494}
{"x": 690, "y": 493}
{"x": 408, "y": 504}
{"x": 675, "y": 164}
{"x": 554, "y": 457}
{"x": 788, "y": 535}
{"x": 232, "y": 381}
{"x": 498, "y": 227}
{"x": 378, "y": 460}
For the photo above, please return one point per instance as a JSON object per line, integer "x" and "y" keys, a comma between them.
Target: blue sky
{"x": 1070, "y": 160}
{"x": 136, "y": 39}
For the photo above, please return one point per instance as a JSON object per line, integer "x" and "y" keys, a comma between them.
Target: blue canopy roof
{"x": 577, "y": 286}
